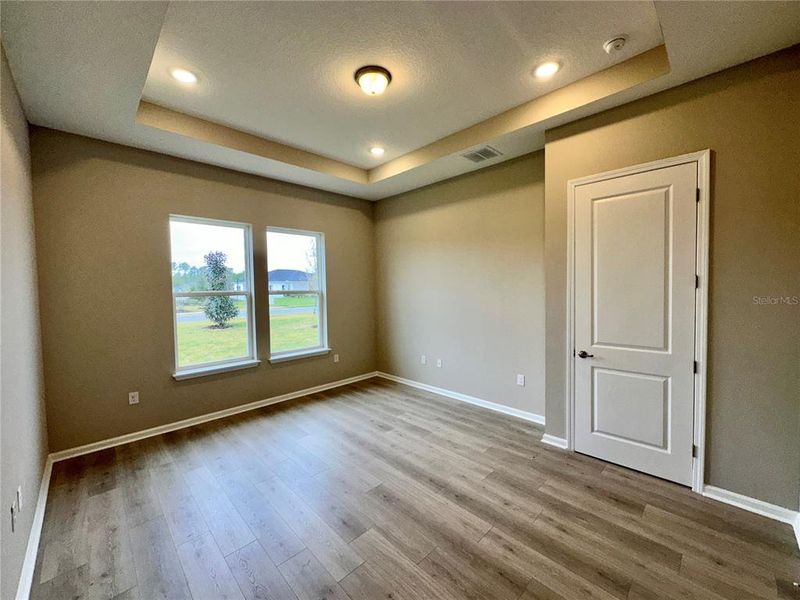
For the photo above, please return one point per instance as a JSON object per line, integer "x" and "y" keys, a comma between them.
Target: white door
{"x": 635, "y": 239}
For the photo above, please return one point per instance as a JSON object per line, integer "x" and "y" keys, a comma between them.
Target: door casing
{"x": 702, "y": 159}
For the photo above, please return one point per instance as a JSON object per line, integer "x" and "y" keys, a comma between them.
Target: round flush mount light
{"x": 376, "y": 151}
{"x": 615, "y": 44}
{"x": 183, "y": 76}
{"x": 373, "y": 80}
{"x": 547, "y": 69}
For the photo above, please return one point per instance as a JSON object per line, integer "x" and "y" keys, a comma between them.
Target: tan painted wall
{"x": 461, "y": 276}
{"x": 22, "y": 413}
{"x": 104, "y": 270}
{"x": 748, "y": 117}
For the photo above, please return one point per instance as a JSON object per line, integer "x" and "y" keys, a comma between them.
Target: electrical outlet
{"x": 335, "y": 358}
{"x": 19, "y": 497}
{"x": 133, "y": 398}
{"x": 439, "y": 362}
{"x": 521, "y": 380}
{"x": 423, "y": 360}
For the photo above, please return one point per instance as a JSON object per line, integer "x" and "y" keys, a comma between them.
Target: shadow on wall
{"x": 153, "y": 161}
{"x": 474, "y": 185}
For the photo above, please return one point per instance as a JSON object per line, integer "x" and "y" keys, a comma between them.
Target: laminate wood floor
{"x": 380, "y": 491}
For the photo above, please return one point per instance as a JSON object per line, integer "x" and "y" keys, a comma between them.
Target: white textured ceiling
{"x": 82, "y": 67}
{"x": 284, "y": 70}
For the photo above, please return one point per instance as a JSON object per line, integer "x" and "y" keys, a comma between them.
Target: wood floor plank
{"x": 467, "y": 573}
{"x": 63, "y": 546}
{"x": 158, "y": 569}
{"x": 111, "y": 569}
{"x": 435, "y": 513}
{"x": 177, "y": 503}
{"x": 68, "y": 584}
{"x": 364, "y": 584}
{"x": 223, "y": 520}
{"x": 548, "y": 572}
{"x": 410, "y": 581}
{"x": 333, "y": 552}
{"x": 131, "y": 594}
{"x": 258, "y": 577}
{"x": 341, "y": 515}
{"x": 206, "y": 571}
{"x": 276, "y": 537}
{"x": 141, "y": 500}
{"x": 309, "y": 580}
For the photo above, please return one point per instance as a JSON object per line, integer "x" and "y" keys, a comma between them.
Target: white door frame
{"x": 703, "y": 161}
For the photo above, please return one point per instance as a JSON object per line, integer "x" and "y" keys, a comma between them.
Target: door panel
{"x": 634, "y": 317}
{"x": 631, "y": 406}
{"x": 625, "y": 280}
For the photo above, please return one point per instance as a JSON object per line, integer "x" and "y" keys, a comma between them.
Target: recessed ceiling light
{"x": 373, "y": 80}
{"x": 183, "y": 76}
{"x": 548, "y": 69}
{"x": 376, "y": 151}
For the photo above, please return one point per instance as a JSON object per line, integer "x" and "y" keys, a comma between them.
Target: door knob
{"x": 585, "y": 354}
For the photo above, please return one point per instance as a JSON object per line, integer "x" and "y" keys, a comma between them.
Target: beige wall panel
{"x": 461, "y": 278}
{"x": 22, "y": 413}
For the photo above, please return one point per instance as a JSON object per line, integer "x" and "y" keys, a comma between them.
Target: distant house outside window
{"x": 296, "y": 288}
{"x": 212, "y": 294}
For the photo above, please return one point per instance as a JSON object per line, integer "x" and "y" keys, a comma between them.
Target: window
{"x": 296, "y": 288}
{"x": 212, "y": 296}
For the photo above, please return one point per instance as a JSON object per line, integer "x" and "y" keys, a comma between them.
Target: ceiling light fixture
{"x": 548, "y": 69}
{"x": 376, "y": 151}
{"x": 183, "y": 76}
{"x": 615, "y": 44}
{"x": 373, "y": 80}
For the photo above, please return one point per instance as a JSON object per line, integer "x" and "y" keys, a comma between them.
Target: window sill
{"x": 204, "y": 371}
{"x": 279, "y": 358}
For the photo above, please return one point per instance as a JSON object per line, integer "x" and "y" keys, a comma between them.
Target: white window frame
{"x": 232, "y": 364}
{"x": 322, "y": 347}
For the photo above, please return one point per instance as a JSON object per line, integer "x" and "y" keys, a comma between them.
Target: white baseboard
{"x": 506, "y": 410}
{"x": 552, "y": 440}
{"x": 778, "y": 513}
{"x": 220, "y": 414}
{"x": 29, "y": 562}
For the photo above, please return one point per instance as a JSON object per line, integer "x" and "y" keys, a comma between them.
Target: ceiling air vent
{"x": 482, "y": 154}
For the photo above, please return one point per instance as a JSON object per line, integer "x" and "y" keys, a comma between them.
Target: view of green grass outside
{"x": 199, "y": 343}
{"x": 189, "y": 305}
{"x": 292, "y": 332}
{"x": 196, "y": 304}
{"x": 294, "y": 301}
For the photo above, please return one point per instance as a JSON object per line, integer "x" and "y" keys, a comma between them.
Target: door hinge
{"x": 696, "y": 281}
{"x": 694, "y": 450}
{"x": 695, "y": 366}
{"x": 697, "y": 195}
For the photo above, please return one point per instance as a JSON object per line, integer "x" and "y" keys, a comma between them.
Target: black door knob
{"x": 585, "y": 354}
